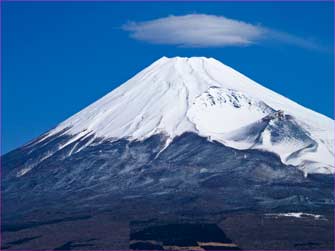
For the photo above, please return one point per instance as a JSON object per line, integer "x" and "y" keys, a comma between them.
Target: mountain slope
{"x": 201, "y": 95}
{"x": 109, "y": 174}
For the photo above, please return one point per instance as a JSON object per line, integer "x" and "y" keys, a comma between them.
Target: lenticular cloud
{"x": 196, "y": 30}
{"x": 201, "y": 30}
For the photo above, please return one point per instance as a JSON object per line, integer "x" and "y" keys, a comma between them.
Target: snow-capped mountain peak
{"x": 177, "y": 95}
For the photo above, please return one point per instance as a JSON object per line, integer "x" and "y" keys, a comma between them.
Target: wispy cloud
{"x": 201, "y": 30}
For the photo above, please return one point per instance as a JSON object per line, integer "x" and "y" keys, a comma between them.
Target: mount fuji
{"x": 204, "y": 96}
{"x": 188, "y": 132}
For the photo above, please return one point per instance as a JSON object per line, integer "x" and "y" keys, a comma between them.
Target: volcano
{"x": 184, "y": 139}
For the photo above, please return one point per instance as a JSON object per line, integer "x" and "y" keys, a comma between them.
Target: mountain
{"x": 185, "y": 136}
{"x": 204, "y": 96}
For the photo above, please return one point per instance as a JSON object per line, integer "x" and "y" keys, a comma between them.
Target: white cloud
{"x": 196, "y": 30}
{"x": 201, "y": 30}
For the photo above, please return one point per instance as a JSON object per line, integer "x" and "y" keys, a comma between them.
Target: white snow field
{"x": 202, "y": 95}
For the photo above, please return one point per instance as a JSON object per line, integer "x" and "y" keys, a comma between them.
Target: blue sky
{"x": 58, "y": 58}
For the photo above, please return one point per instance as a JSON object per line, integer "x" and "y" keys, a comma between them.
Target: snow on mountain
{"x": 202, "y": 95}
{"x": 283, "y": 135}
{"x": 220, "y": 110}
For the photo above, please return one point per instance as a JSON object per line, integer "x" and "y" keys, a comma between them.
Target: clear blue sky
{"x": 58, "y": 58}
